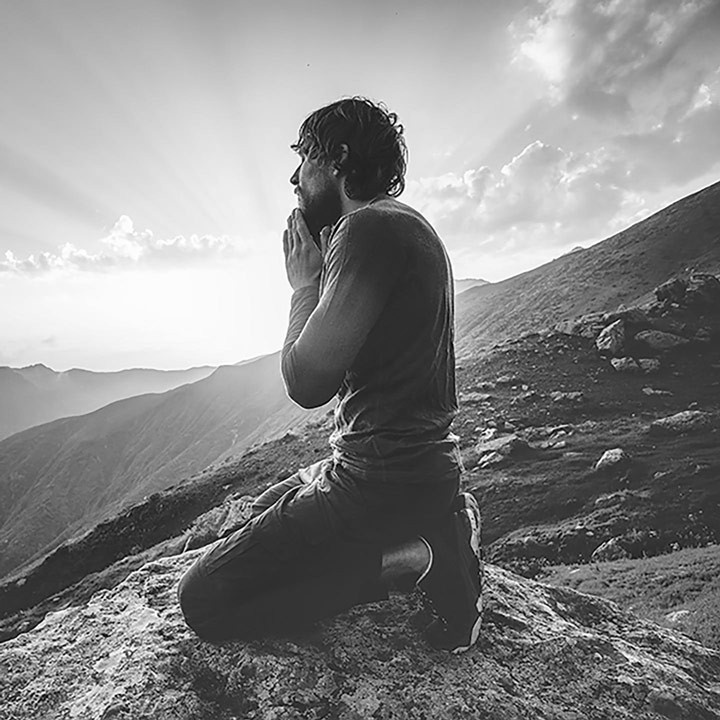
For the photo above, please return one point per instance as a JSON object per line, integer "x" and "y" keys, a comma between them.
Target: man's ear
{"x": 341, "y": 159}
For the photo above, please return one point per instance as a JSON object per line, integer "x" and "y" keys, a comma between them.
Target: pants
{"x": 313, "y": 549}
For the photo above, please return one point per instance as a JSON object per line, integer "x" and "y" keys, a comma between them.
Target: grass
{"x": 680, "y": 590}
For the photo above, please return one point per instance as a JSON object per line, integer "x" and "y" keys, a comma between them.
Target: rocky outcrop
{"x": 544, "y": 652}
{"x": 672, "y": 321}
{"x": 682, "y": 422}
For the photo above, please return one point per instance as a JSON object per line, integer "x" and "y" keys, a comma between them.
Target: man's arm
{"x": 325, "y": 333}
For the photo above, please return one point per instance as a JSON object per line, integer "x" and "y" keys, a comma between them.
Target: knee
{"x": 196, "y": 602}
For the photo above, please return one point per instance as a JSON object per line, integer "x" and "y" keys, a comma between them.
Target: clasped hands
{"x": 303, "y": 258}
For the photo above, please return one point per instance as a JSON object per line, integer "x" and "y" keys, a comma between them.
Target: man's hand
{"x": 303, "y": 259}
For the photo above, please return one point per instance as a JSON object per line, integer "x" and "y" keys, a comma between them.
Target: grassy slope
{"x": 680, "y": 590}
{"x": 618, "y": 270}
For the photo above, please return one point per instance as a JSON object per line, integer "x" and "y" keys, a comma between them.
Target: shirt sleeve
{"x": 362, "y": 267}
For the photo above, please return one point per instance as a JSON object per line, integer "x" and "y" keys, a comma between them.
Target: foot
{"x": 452, "y": 582}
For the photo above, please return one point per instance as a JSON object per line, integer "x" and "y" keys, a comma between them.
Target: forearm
{"x": 296, "y": 377}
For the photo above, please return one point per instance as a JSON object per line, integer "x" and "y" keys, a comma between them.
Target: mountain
{"x": 467, "y": 283}
{"x": 537, "y": 413}
{"x": 36, "y": 394}
{"x": 60, "y": 478}
{"x": 620, "y": 270}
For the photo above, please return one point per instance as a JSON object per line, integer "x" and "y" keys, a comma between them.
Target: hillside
{"x": 620, "y": 270}
{"x": 537, "y": 414}
{"x": 60, "y": 478}
{"x": 36, "y": 394}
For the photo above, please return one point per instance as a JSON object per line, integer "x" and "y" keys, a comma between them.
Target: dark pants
{"x": 313, "y": 550}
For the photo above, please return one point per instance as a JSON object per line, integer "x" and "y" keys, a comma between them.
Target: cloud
{"x": 639, "y": 63}
{"x": 125, "y": 247}
{"x": 544, "y": 189}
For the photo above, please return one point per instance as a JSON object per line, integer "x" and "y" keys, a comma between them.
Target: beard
{"x": 323, "y": 207}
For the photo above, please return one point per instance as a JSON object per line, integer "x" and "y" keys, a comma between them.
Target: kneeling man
{"x": 371, "y": 322}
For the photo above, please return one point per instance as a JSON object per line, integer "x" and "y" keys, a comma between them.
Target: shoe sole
{"x": 472, "y": 512}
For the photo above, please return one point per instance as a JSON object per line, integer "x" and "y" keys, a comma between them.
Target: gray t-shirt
{"x": 378, "y": 332}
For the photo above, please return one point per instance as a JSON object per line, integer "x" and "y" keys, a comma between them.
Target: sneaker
{"x": 452, "y": 582}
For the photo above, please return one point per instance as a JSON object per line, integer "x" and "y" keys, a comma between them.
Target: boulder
{"x": 682, "y": 422}
{"x": 613, "y": 458}
{"x": 671, "y": 291}
{"x": 625, "y": 365}
{"x": 660, "y": 341}
{"x": 611, "y": 340}
{"x": 612, "y": 549}
{"x": 544, "y": 652}
{"x": 703, "y": 292}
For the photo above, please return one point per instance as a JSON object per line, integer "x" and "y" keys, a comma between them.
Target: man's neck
{"x": 349, "y": 205}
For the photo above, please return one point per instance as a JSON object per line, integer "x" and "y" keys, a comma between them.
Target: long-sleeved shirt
{"x": 378, "y": 332}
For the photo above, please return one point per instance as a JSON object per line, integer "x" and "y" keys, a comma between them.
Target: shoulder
{"x": 384, "y": 219}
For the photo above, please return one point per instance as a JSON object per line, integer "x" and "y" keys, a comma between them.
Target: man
{"x": 371, "y": 322}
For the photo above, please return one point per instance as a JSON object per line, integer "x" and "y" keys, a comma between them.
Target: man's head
{"x": 356, "y": 142}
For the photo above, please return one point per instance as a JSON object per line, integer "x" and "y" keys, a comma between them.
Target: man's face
{"x": 318, "y": 192}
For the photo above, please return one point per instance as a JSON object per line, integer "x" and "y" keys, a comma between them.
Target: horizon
{"x": 145, "y": 170}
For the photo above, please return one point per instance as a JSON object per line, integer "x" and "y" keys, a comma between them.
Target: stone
{"x": 611, "y": 340}
{"x": 660, "y": 341}
{"x": 671, "y": 291}
{"x": 474, "y": 397}
{"x": 653, "y": 391}
{"x": 682, "y": 422}
{"x": 613, "y": 458}
{"x": 574, "y": 396}
{"x": 612, "y": 549}
{"x": 703, "y": 292}
{"x": 648, "y": 365}
{"x": 504, "y": 444}
{"x": 625, "y": 365}
{"x": 127, "y": 653}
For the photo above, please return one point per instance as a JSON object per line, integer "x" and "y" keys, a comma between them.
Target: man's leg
{"x": 315, "y": 552}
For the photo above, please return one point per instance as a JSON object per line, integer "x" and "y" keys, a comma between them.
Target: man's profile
{"x": 371, "y": 323}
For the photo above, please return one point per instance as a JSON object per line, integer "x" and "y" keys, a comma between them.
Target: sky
{"x": 145, "y": 159}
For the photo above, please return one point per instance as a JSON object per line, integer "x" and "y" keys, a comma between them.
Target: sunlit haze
{"x": 144, "y": 150}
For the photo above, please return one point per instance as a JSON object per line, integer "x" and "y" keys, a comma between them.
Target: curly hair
{"x": 377, "y": 156}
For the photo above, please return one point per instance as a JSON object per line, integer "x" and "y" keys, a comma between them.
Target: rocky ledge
{"x": 544, "y": 652}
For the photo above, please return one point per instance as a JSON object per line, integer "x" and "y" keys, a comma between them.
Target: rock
{"x": 660, "y": 341}
{"x": 610, "y": 550}
{"x": 128, "y": 654}
{"x": 625, "y": 365}
{"x": 611, "y": 340}
{"x": 653, "y": 391}
{"x": 474, "y": 397}
{"x": 219, "y": 522}
{"x": 508, "y": 380}
{"x": 671, "y": 291}
{"x": 567, "y": 397}
{"x": 493, "y": 458}
{"x": 677, "y": 616}
{"x": 703, "y": 292}
{"x": 614, "y": 458}
{"x": 682, "y": 422}
{"x": 648, "y": 365}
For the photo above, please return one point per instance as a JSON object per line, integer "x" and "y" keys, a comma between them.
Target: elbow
{"x": 308, "y": 399}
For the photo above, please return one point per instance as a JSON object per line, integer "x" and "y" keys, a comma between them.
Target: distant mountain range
{"x": 61, "y": 478}
{"x": 36, "y": 394}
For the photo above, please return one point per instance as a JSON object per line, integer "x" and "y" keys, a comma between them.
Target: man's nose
{"x": 294, "y": 178}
